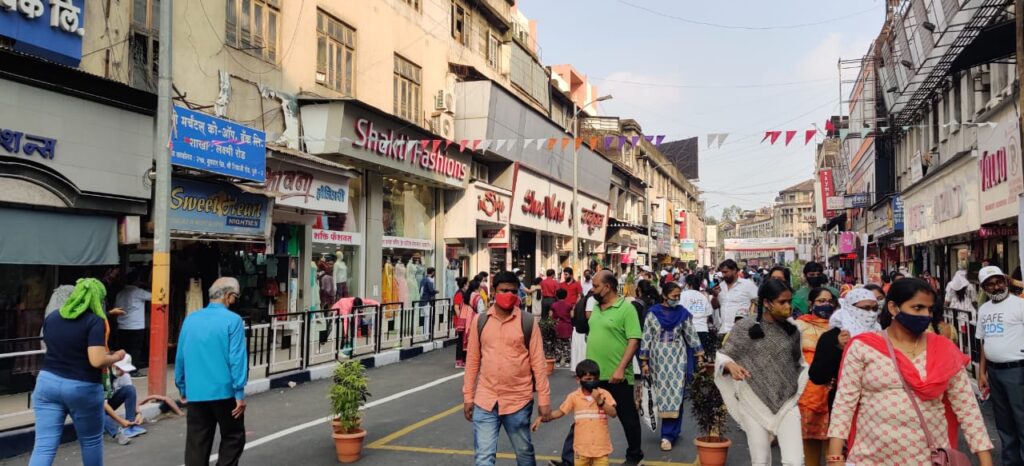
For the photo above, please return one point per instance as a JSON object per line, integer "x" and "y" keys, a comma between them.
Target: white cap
{"x": 647, "y": 268}
{"x": 664, "y": 272}
{"x": 126, "y": 363}
{"x": 988, "y": 272}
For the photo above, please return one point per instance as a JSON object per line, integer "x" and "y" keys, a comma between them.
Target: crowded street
{"x": 496, "y": 232}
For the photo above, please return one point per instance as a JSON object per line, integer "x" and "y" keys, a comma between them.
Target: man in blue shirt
{"x": 211, "y": 370}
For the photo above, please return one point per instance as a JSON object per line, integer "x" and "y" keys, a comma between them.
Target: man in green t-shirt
{"x": 612, "y": 340}
{"x": 814, "y": 276}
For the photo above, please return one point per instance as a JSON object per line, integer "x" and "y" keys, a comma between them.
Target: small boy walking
{"x": 592, "y": 407}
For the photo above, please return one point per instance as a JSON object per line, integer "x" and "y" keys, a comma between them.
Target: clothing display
{"x": 402, "y": 284}
{"x": 314, "y": 287}
{"x": 194, "y": 296}
{"x": 389, "y": 288}
{"x": 340, "y": 274}
{"x": 415, "y": 272}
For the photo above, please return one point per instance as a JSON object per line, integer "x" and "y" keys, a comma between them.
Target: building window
{"x": 407, "y": 89}
{"x": 143, "y": 44}
{"x": 335, "y": 54}
{"x": 460, "y": 27}
{"x": 252, "y": 26}
{"x": 415, "y": 4}
{"x": 492, "y": 51}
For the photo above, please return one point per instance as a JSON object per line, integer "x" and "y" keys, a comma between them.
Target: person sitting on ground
{"x": 123, "y": 428}
{"x": 593, "y": 406}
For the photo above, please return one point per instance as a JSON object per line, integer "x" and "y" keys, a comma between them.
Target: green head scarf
{"x": 87, "y": 296}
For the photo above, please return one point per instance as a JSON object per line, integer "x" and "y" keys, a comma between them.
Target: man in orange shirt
{"x": 503, "y": 367}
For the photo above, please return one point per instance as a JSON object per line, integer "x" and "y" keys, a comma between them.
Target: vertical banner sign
{"x": 828, "y": 189}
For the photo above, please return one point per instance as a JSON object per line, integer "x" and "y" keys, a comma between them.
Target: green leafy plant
{"x": 547, "y": 333}
{"x": 707, "y": 406}
{"x": 348, "y": 393}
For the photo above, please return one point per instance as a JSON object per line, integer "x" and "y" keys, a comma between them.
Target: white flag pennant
{"x": 345, "y": 140}
{"x": 527, "y": 142}
{"x": 540, "y": 142}
{"x": 484, "y": 145}
{"x": 500, "y": 144}
{"x": 711, "y": 139}
{"x": 721, "y": 139}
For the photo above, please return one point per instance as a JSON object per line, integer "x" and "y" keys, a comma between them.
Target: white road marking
{"x": 320, "y": 421}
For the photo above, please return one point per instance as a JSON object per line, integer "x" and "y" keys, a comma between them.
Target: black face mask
{"x": 818, "y": 281}
{"x": 589, "y": 385}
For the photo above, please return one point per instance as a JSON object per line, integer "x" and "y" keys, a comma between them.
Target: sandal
{"x": 666, "y": 445}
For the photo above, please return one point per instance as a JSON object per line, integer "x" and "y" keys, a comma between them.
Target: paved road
{"x": 416, "y": 420}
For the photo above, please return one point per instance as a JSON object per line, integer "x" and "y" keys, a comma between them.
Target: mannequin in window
{"x": 340, "y": 274}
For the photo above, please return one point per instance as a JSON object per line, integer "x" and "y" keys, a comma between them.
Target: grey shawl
{"x": 774, "y": 361}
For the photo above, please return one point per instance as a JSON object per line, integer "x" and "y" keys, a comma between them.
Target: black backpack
{"x": 527, "y": 321}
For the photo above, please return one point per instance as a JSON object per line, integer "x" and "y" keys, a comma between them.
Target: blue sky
{"x": 683, "y": 79}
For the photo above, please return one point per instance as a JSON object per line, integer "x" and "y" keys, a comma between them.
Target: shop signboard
{"x": 338, "y": 238}
{"x": 397, "y": 242}
{"x": 847, "y": 242}
{"x": 540, "y": 204}
{"x": 1002, "y": 177}
{"x": 688, "y": 249}
{"x": 916, "y": 169}
{"x": 681, "y": 219}
{"x": 896, "y": 207}
{"x": 940, "y": 206}
{"x": 297, "y": 187}
{"x": 828, "y": 189}
{"x": 662, "y": 243}
{"x": 494, "y": 237}
{"x": 875, "y": 270}
{"x": 857, "y": 200}
{"x": 492, "y": 206}
{"x": 52, "y": 29}
{"x": 217, "y": 209}
{"x": 593, "y": 218}
{"x": 207, "y": 143}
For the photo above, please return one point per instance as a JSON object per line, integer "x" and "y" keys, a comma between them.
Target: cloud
{"x": 651, "y": 105}
{"x": 822, "y": 61}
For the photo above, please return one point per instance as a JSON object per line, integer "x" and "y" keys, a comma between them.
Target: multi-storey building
{"x": 793, "y": 217}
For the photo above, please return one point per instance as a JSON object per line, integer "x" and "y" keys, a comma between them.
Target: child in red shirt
{"x": 593, "y": 406}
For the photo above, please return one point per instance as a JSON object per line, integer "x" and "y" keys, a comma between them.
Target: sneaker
{"x": 121, "y": 438}
{"x": 629, "y": 462}
{"x": 134, "y": 431}
{"x": 555, "y": 463}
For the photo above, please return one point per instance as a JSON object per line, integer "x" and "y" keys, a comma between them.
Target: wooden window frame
{"x": 336, "y": 54}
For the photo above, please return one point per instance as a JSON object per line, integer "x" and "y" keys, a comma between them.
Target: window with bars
{"x": 335, "y": 54}
{"x": 252, "y": 26}
{"x": 144, "y": 45}
{"x": 492, "y": 51}
{"x": 460, "y": 26}
{"x": 415, "y": 4}
{"x": 407, "y": 89}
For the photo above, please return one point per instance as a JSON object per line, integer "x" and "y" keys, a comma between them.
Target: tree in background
{"x": 732, "y": 213}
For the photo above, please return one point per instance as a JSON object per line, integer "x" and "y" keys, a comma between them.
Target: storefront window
{"x": 408, "y": 246}
{"x": 408, "y": 210}
{"x": 340, "y": 253}
{"x": 349, "y": 221}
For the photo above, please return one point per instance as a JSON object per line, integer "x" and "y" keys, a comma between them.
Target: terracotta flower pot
{"x": 712, "y": 451}
{"x": 551, "y": 365}
{"x": 349, "y": 446}
{"x": 336, "y": 426}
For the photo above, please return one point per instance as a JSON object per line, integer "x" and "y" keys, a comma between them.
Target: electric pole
{"x": 158, "y": 340}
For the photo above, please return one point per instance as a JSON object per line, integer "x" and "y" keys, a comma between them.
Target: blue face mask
{"x": 823, "y": 310}
{"x": 914, "y": 324}
{"x": 672, "y": 302}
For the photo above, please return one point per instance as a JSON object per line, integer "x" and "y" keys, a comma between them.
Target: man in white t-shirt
{"x": 699, "y": 306}
{"x": 1001, "y": 330}
{"x": 131, "y": 327}
{"x": 733, "y": 296}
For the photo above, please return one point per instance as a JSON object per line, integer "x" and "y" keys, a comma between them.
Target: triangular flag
{"x": 540, "y": 142}
{"x": 775, "y": 136}
{"x": 634, "y": 140}
{"x": 500, "y": 144}
{"x": 622, "y": 142}
{"x": 594, "y": 141}
{"x": 608, "y": 141}
{"x": 658, "y": 139}
{"x": 462, "y": 144}
{"x": 712, "y": 137}
{"x": 436, "y": 144}
{"x": 527, "y": 142}
{"x": 565, "y": 143}
{"x": 485, "y": 144}
{"x": 345, "y": 140}
{"x": 579, "y": 142}
{"x": 447, "y": 144}
{"x": 476, "y": 143}
{"x": 789, "y": 136}
{"x": 424, "y": 143}
{"x": 767, "y": 134}
{"x": 721, "y": 139}
{"x": 649, "y": 138}
{"x": 906, "y": 128}
{"x": 551, "y": 143}
{"x": 829, "y": 126}
{"x": 808, "y": 135}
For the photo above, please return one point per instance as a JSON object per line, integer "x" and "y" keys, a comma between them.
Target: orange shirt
{"x": 507, "y": 372}
{"x": 592, "y": 439}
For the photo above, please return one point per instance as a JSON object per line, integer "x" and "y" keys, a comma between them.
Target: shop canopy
{"x": 49, "y": 238}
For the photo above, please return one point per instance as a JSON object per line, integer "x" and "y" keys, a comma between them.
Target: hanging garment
{"x": 403, "y": 284}
{"x": 194, "y": 296}
{"x": 413, "y": 276}
{"x": 389, "y": 289}
{"x": 314, "y": 288}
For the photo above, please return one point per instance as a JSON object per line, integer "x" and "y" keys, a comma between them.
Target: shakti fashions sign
{"x": 373, "y": 140}
{"x": 52, "y": 29}
{"x": 205, "y": 142}
{"x": 201, "y": 207}
{"x": 300, "y": 188}
{"x": 1002, "y": 177}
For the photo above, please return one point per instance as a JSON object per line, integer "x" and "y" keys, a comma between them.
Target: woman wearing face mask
{"x": 669, "y": 352}
{"x": 888, "y": 430}
{"x": 761, "y": 373}
{"x": 814, "y": 400}
{"x": 857, "y": 314}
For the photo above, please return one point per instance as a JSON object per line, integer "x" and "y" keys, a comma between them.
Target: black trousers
{"x": 134, "y": 343}
{"x": 625, "y": 404}
{"x": 545, "y": 307}
{"x": 203, "y": 419}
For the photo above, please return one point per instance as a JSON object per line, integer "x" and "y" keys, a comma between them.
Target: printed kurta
{"x": 666, "y": 353}
{"x": 814, "y": 400}
{"x": 888, "y": 431}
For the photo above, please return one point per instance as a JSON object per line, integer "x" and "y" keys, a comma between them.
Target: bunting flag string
{"x": 789, "y": 136}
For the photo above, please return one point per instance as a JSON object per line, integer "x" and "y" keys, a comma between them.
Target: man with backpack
{"x": 504, "y": 366}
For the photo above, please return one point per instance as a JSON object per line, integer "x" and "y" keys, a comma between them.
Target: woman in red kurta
{"x": 814, "y": 400}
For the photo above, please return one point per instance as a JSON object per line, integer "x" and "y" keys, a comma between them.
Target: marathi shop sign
{"x": 205, "y": 142}
{"x": 15, "y": 142}
{"x": 52, "y": 29}
{"x": 300, "y": 188}
{"x": 209, "y": 208}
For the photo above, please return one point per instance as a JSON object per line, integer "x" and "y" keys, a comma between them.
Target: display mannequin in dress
{"x": 403, "y": 284}
{"x": 414, "y": 275}
{"x": 340, "y": 274}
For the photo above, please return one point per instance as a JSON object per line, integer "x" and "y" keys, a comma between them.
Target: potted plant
{"x": 547, "y": 333}
{"x": 348, "y": 394}
{"x": 710, "y": 414}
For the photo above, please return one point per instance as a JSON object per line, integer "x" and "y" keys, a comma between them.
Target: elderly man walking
{"x": 211, "y": 370}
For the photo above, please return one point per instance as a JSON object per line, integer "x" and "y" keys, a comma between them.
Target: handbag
{"x": 939, "y": 456}
{"x": 647, "y": 410}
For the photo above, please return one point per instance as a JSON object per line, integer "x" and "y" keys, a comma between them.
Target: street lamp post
{"x": 575, "y": 183}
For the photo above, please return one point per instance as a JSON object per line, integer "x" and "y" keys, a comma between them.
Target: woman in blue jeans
{"x": 71, "y": 380}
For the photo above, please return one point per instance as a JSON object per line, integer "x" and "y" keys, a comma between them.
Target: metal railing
{"x": 966, "y": 327}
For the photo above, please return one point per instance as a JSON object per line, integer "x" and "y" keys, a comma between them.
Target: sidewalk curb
{"x": 20, "y": 441}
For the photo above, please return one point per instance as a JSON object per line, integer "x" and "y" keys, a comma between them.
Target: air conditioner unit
{"x": 443, "y": 125}
{"x": 445, "y": 101}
